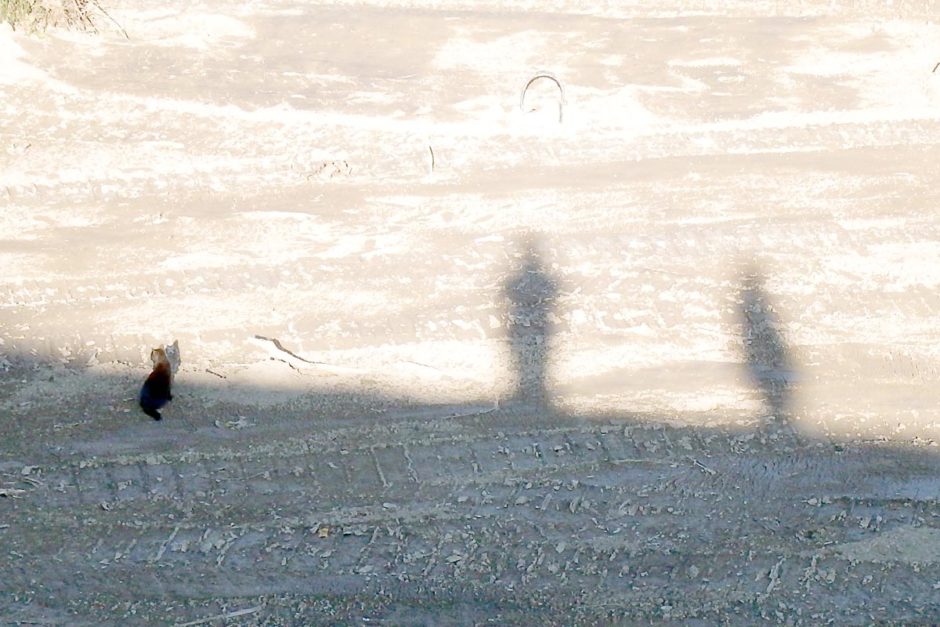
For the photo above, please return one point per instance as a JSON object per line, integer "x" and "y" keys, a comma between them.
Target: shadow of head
{"x": 530, "y": 293}
{"x": 766, "y": 352}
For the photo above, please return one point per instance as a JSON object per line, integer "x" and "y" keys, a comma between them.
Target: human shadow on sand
{"x": 529, "y": 294}
{"x": 766, "y": 351}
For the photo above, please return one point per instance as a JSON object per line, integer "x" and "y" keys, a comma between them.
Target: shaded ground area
{"x": 360, "y": 508}
{"x": 512, "y": 515}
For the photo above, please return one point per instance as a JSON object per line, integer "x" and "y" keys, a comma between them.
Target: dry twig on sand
{"x": 210, "y": 619}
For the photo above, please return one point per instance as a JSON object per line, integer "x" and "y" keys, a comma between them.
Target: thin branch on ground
{"x": 209, "y": 619}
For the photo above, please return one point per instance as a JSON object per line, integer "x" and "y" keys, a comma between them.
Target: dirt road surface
{"x": 656, "y": 339}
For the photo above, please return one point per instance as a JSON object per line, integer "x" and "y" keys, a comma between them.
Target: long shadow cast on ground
{"x": 348, "y": 505}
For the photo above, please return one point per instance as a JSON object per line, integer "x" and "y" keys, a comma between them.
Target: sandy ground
{"x": 656, "y": 342}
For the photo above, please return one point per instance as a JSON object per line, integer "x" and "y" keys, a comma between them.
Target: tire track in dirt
{"x": 584, "y": 507}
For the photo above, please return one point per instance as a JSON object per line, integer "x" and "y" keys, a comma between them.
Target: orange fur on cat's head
{"x": 159, "y": 359}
